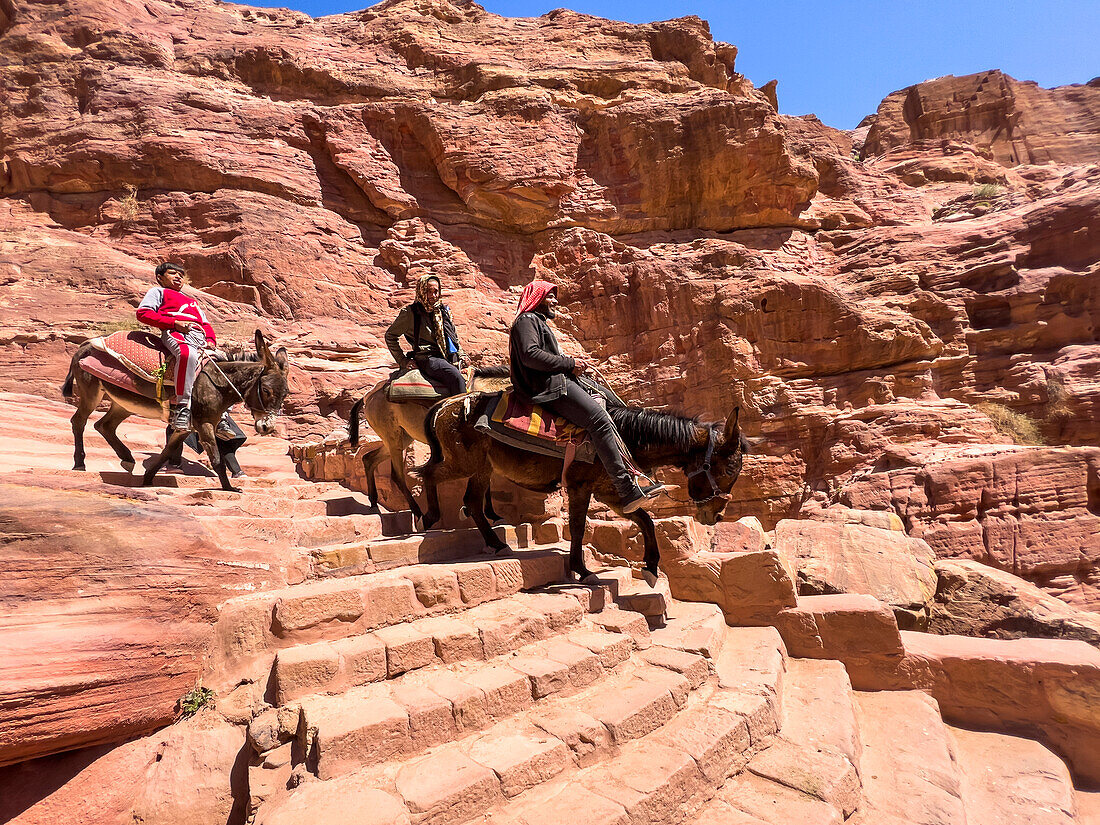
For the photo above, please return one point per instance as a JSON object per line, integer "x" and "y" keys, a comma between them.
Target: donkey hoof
{"x": 80, "y": 467}
{"x": 128, "y": 466}
{"x": 649, "y": 577}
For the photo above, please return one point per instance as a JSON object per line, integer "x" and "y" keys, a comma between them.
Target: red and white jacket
{"x": 162, "y": 307}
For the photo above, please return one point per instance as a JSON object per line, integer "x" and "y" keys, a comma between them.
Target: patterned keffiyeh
{"x": 435, "y": 311}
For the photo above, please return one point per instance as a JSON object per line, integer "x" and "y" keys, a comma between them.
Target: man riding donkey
{"x": 545, "y": 376}
{"x": 185, "y": 333}
{"x": 430, "y": 330}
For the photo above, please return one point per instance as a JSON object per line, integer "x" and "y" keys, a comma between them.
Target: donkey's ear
{"x": 281, "y": 358}
{"x": 261, "y": 347}
{"x": 730, "y": 434}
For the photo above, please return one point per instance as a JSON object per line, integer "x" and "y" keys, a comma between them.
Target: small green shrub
{"x": 195, "y": 700}
{"x": 986, "y": 192}
{"x": 1017, "y": 426}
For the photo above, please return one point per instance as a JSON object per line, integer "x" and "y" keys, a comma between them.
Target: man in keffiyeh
{"x": 426, "y": 324}
{"x": 542, "y": 374}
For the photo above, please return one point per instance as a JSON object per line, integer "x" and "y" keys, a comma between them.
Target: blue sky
{"x": 839, "y": 58}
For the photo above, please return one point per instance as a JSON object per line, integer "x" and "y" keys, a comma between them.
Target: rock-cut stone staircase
{"x": 487, "y": 689}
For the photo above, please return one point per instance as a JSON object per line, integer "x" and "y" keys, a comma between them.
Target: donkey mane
{"x": 651, "y": 429}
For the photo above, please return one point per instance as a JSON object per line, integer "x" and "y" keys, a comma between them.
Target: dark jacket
{"x": 412, "y": 322}
{"x": 538, "y": 368}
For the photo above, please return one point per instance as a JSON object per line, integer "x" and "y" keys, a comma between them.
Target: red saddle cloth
{"x": 517, "y": 413}
{"x": 134, "y": 361}
{"x": 516, "y": 421}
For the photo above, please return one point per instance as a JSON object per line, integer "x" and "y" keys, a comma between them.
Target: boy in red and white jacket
{"x": 185, "y": 332}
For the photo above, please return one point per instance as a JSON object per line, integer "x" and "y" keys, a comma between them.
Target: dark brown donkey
{"x": 260, "y": 384}
{"x": 709, "y": 455}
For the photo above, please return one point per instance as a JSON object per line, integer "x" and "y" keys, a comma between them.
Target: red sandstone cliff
{"x": 876, "y": 319}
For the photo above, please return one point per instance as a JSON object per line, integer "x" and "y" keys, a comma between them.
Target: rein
{"x": 259, "y": 395}
{"x": 704, "y": 469}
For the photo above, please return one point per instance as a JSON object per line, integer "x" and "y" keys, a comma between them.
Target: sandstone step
{"x": 527, "y": 686}
{"x": 697, "y": 627}
{"x": 753, "y": 662}
{"x": 475, "y": 634}
{"x": 1088, "y": 806}
{"x": 817, "y": 750}
{"x": 1009, "y": 780}
{"x": 251, "y": 628}
{"x": 632, "y": 593}
{"x": 626, "y": 737}
{"x": 748, "y": 798}
{"x": 394, "y": 550}
{"x": 908, "y": 765}
{"x": 819, "y": 707}
{"x": 310, "y": 532}
{"x": 264, "y": 505}
{"x": 840, "y": 626}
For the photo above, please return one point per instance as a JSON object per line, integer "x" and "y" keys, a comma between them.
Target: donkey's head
{"x": 266, "y": 398}
{"x": 713, "y": 468}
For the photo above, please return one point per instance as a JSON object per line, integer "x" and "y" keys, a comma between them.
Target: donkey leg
{"x": 371, "y": 461}
{"x": 107, "y": 427}
{"x": 217, "y": 460}
{"x": 175, "y": 440}
{"x": 397, "y": 474}
{"x": 490, "y": 511}
{"x": 474, "y": 499}
{"x": 90, "y": 392}
{"x": 580, "y": 496}
{"x": 652, "y": 558}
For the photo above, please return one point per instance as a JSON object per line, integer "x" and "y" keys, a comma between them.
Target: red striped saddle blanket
{"x": 514, "y": 420}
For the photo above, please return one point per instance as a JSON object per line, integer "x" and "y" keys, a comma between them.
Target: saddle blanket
{"x": 108, "y": 368}
{"x": 514, "y": 420}
{"x": 140, "y": 352}
{"x": 414, "y": 386}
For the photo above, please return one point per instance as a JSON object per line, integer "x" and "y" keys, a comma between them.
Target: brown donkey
{"x": 709, "y": 455}
{"x": 399, "y": 424}
{"x": 260, "y": 384}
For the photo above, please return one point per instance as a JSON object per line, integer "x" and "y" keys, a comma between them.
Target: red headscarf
{"x": 533, "y": 295}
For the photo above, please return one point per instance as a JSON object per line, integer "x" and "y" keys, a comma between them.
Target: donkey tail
{"x": 353, "y": 423}
{"x": 70, "y": 379}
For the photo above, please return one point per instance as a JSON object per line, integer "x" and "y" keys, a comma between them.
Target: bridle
{"x": 255, "y": 386}
{"x": 704, "y": 470}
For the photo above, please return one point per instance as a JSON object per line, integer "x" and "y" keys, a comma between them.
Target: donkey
{"x": 399, "y": 424}
{"x": 260, "y": 384}
{"x": 709, "y": 455}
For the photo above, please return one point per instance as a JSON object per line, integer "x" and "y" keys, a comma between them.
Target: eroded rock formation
{"x": 891, "y": 309}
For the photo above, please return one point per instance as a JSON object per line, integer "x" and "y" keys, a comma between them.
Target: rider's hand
{"x": 580, "y": 366}
{"x": 185, "y": 326}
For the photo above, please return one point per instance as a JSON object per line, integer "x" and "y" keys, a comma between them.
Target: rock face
{"x": 852, "y": 558}
{"x": 973, "y": 599}
{"x": 1019, "y": 123}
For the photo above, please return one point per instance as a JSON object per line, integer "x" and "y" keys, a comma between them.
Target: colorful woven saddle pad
{"x": 140, "y": 352}
{"x": 514, "y": 420}
{"x": 414, "y": 386}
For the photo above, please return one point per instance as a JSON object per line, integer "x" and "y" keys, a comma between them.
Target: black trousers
{"x": 227, "y": 447}
{"x": 580, "y": 408}
{"x": 443, "y": 371}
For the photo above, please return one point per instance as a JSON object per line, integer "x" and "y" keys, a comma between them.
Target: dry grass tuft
{"x": 1017, "y": 426}
{"x": 128, "y": 208}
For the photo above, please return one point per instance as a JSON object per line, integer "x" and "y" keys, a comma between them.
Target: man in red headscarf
{"x": 545, "y": 376}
